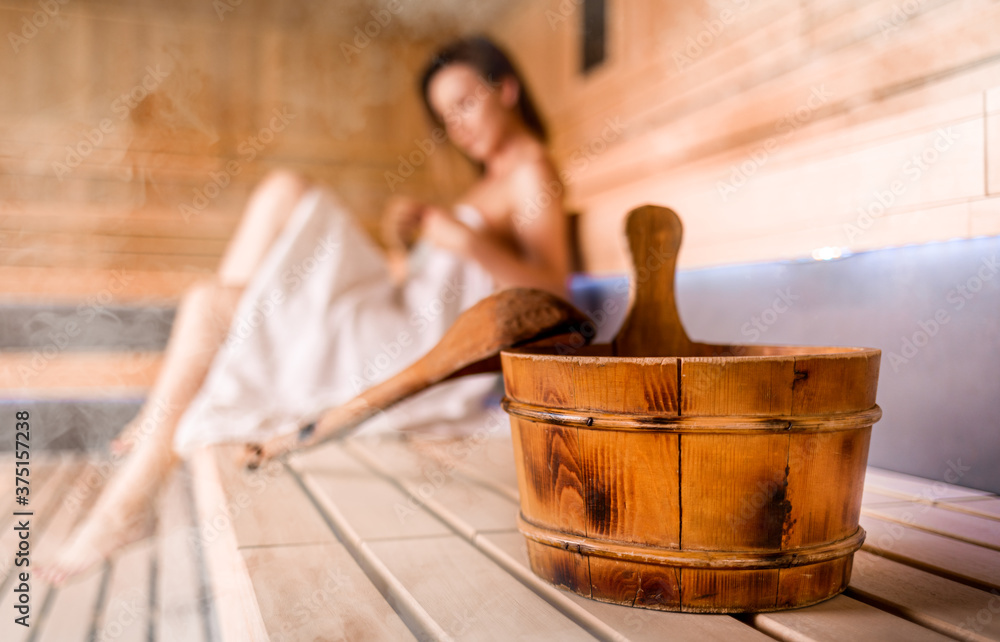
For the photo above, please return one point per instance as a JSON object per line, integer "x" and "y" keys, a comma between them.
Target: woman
{"x": 303, "y": 312}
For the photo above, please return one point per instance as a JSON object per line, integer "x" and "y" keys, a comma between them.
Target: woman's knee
{"x": 210, "y": 292}
{"x": 284, "y": 183}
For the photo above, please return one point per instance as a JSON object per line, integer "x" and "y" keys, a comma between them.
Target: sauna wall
{"x": 131, "y": 133}
{"x": 775, "y": 128}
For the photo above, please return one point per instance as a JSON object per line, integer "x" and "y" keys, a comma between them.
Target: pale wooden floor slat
{"x": 44, "y": 504}
{"x": 916, "y": 488}
{"x": 181, "y": 607}
{"x": 467, "y": 506}
{"x": 842, "y": 618}
{"x": 318, "y": 592}
{"x": 233, "y": 595}
{"x": 127, "y": 613}
{"x": 935, "y": 602}
{"x": 375, "y": 508}
{"x": 72, "y": 611}
{"x": 469, "y": 595}
{"x": 266, "y": 507}
{"x": 430, "y": 550}
{"x": 962, "y": 526}
{"x": 46, "y": 539}
{"x": 874, "y": 498}
{"x": 639, "y": 625}
{"x": 982, "y": 506}
{"x": 487, "y": 519}
{"x": 948, "y": 557}
{"x": 407, "y": 543}
{"x": 413, "y": 613}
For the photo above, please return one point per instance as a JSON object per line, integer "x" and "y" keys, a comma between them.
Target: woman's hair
{"x": 492, "y": 64}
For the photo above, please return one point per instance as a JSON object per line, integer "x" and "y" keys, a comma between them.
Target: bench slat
{"x": 889, "y": 482}
{"x": 374, "y": 508}
{"x": 842, "y": 618}
{"x": 487, "y": 518}
{"x": 962, "y": 526}
{"x": 467, "y": 506}
{"x": 318, "y": 592}
{"x": 181, "y": 601}
{"x": 942, "y": 555}
{"x": 71, "y": 613}
{"x": 126, "y": 616}
{"x": 231, "y": 589}
{"x": 932, "y": 601}
{"x": 50, "y": 525}
{"x": 984, "y": 507}
{"x": 640, "y": 625}
{"x": 468, "y": 594}
{"x": 266, "y": 506}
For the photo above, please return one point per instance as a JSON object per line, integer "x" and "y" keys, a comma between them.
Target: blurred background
{"x": 836, "y": 165}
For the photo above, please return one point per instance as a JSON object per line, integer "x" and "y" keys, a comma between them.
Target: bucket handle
{"x": 652, "y": 326}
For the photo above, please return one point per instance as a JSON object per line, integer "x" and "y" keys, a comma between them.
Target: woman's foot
{"x": 124, "y": 513}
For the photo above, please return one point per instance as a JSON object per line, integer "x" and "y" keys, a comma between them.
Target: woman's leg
{"x": 266, "y": 213}
{"x": 203, "y": 318}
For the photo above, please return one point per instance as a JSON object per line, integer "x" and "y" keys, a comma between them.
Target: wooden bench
{"x": 386, "y": 538}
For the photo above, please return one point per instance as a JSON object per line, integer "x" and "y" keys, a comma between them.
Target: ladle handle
{"x": 652, "y": 326}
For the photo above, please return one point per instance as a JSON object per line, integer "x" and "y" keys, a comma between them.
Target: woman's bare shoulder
{"x": 535, "y": 172}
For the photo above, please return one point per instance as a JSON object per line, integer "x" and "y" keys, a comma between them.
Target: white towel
{"x": 321, "y": 320}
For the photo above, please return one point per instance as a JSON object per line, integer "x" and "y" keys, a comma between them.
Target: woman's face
{"x": 476, "y": 114}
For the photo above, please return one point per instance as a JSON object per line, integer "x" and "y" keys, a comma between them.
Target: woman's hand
{"x": 442, "y": 229}
{"x": 401, "y": 222}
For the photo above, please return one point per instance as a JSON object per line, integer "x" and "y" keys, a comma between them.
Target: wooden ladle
{"x": 511, "y": 317}
{"x": 652, "y": 325}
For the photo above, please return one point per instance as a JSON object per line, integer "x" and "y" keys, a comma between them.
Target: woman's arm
{"x": 541, "y": 228}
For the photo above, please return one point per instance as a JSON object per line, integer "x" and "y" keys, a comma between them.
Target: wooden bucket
{"x": 661, "y": 473}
